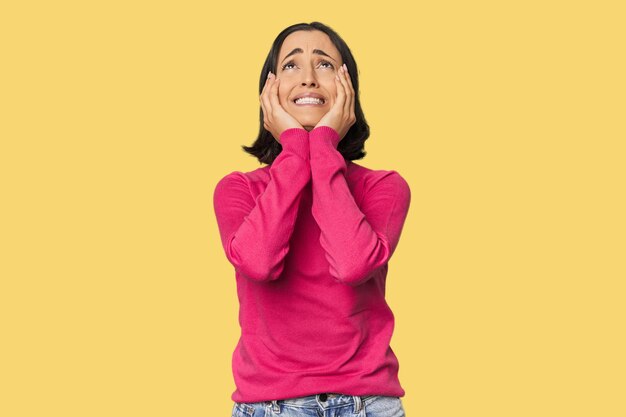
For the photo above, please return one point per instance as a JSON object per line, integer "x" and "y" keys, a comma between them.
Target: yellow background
{"x": 506, "y": 118}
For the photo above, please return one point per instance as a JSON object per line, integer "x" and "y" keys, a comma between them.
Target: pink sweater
{"x": 310, "y": 237}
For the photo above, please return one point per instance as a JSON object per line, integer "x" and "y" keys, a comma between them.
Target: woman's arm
{"x": 255, "y": 233}
{"x": 357, "y": 240}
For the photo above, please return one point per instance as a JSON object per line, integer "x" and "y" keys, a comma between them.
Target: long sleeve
{"x": 255, "y": 232}
{"x": 357, "y": 241}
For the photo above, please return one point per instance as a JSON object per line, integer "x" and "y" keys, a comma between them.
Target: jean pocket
{"x": 242, "y": 410}
{"x": 385, "y": 406}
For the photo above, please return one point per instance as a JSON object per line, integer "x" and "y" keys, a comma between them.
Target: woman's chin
{"x": 308, "y": 121}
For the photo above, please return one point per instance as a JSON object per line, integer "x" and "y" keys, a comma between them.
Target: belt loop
{"x": 275, "y": 407}
{"x": 357, "y": 403}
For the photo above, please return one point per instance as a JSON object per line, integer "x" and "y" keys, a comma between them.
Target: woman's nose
{"x": 309, "y": 77}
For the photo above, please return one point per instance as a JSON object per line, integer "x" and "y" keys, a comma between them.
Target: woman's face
{"x": 310, "y": 69}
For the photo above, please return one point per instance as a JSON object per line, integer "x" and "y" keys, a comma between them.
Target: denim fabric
{"x": 335, "y": 405}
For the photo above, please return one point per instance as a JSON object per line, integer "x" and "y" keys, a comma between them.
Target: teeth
{"x": 309, "y": 100}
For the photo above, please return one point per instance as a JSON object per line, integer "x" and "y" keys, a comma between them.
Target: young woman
{"x": 310, "y": 236}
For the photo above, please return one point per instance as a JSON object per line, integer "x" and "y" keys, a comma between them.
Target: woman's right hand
{"x": 275, "y": 119}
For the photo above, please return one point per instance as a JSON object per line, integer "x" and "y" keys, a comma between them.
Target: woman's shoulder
{"x": 260, "y": 174}
{"x": 371, "y": 177}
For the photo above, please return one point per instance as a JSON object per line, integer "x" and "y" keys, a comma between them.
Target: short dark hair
{"x": 265, "y": 148}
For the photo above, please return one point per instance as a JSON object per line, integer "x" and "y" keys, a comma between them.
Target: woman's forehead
{"x": 308, "y": 42}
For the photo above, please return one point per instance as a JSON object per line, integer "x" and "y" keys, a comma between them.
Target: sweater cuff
{"x": 296, "y": 140}
{"x": 326, "y": 134}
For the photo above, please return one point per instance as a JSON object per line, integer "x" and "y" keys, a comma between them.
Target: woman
{"x": 310, "y": 236}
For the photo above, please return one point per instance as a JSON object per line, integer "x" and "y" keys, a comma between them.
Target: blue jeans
{"x": 324, "y": 405}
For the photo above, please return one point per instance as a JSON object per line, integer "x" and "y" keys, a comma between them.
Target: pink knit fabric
{"x": 310, "y": 237}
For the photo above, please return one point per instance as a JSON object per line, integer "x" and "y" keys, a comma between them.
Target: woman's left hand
{"x": 341, "y": 116}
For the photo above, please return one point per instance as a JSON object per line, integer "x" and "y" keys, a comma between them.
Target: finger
{"x": 273, "y": 94}
{"x": 352, "y": 95}
{"x": 341, "y": 94}
{"x": 266, "y": 100}
{"x": 348, "y": 101}
{"x": 267, "y": 80}
{"x": 349, "y": 79}
{"x": 263, "y": 92}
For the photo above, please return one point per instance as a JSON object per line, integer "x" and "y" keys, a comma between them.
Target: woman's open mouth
{"x": 309, "y": 101}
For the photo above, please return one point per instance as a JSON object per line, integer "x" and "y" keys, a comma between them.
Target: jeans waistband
{"x": 328, "y": 400}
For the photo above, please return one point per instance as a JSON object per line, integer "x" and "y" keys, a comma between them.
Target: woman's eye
{"x": 284, "y": 67}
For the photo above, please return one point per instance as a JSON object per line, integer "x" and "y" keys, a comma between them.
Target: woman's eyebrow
{"x": 315, "y": 51}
